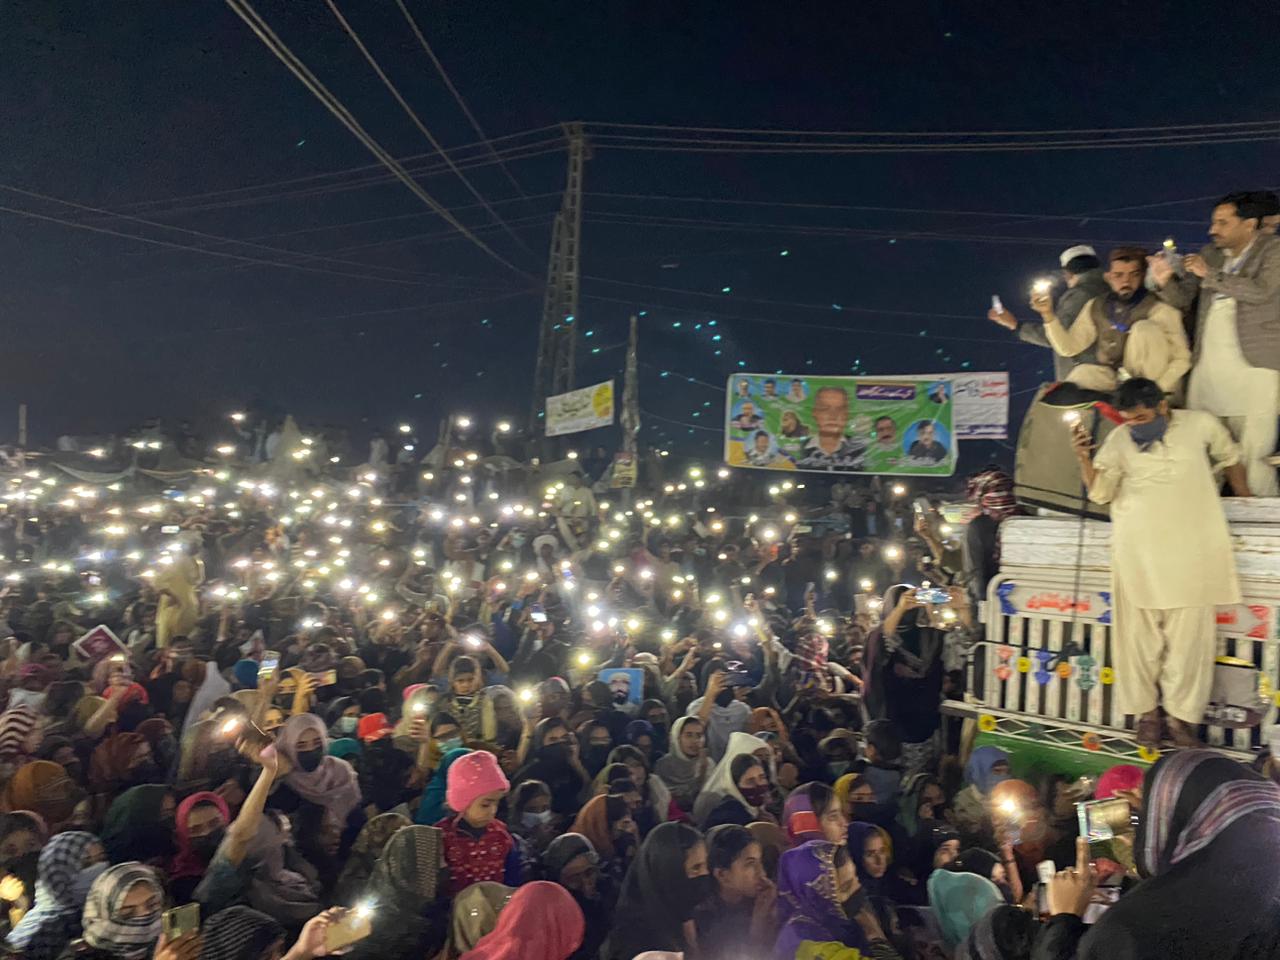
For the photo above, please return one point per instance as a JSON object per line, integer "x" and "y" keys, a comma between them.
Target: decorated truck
{"x": 1041, "y": 681}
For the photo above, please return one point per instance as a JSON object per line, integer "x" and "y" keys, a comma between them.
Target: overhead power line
{"x": 417, "y": 121}
{"x": 854, "y": 208}
{"x": 228, "y": 240}
{"x": 707, "y": 145}
{"x": 457, "y": 153}
{"x": 764, "y": 131}
{"x": 462, "y": 104}
{"x": 374, "y": 180}
{"x": 245, "y": 11}
{"x": 689, "y": 223}
{"x": 106, "y": 231}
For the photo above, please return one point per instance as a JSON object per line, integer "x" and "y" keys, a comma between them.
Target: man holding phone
{"x": 1171, "y": 557}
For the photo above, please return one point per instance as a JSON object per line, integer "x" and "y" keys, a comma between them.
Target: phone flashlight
{"x": 1041, "y": 287}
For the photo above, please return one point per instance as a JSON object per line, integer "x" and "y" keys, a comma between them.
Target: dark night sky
{"x": 119, "y": 105}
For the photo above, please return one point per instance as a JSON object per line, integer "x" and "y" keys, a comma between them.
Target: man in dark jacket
{"x": 1085, "y": 280}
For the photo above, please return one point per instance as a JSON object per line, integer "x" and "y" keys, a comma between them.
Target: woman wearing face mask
{"x": 923, "y": 802}
{"x": 685, "y": 767}
{"x": 530, "y": 822}
{"x": 68, "y": 865}
{"x": 721, "y": 783}
{"x": 739, "y": 922}
{"x": 313, "y": 775}
{"x": 344, "y": 717}
{"x": 554, "y": 761}
{"x": 814, "y": 812}
{"x": 139, "y": 825}
{"x": 571, "y": 861}
{"x": 747, "y": 793}
{"x": 663, "y": 888}
{"x": 655, "y": 712}
{"x": 606, "y": 821}
{"x": 971, "y": 807}
{"x": 656, "y": 805}
{"x": 596, "y": 742}
{"x": 121, "y": 918}
{"x": 820, "y": 901}
{"x": 200, "y": 824}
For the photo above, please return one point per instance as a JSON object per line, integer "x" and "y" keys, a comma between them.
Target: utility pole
{"x": 630, "y": 420}
{"x": 558, "y": 333}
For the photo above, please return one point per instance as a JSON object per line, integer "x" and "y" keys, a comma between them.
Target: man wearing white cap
{"x": 1082, "y": 272}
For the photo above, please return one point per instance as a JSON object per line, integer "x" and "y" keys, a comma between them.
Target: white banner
{"x": 579, "y": 410}
{"x": 981, "y": 406}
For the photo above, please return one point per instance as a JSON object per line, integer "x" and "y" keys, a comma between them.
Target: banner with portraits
{"x": 896, "y": 426}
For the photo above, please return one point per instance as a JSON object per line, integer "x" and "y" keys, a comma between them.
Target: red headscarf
{"x": 541, "y": 922}
{"x": 187, "y": 863}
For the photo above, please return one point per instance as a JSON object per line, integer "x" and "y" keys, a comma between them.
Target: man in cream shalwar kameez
{"x": 1171, "y": 557}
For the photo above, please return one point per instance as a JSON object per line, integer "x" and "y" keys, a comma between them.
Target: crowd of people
{"x": 460, "y": 705}
{"x": 548, "y": 723}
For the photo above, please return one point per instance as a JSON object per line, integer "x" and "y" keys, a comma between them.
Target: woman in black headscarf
{"x": 1208, "y": 842}
{"x": 667, "y": 881}
{"x": 554, "y": 753}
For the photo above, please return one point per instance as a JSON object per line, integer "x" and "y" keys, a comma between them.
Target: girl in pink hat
{"x": 477, "y": 846}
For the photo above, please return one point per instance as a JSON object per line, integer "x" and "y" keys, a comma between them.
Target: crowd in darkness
{"x": 491, "y": 713}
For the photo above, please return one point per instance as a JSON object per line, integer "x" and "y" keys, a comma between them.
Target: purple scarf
{"x": 807, "y": 902}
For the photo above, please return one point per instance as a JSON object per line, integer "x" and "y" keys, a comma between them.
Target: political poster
{"x": 99, "y": 643}
{"x": 578, "y": 410}
{"x": 981, "y": 405}
{"x": 895, "y": 426}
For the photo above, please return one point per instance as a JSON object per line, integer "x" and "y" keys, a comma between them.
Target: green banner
{"x": 887, "y": 425}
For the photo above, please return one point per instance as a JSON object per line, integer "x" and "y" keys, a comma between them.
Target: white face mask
{"x": 530, "y": 819}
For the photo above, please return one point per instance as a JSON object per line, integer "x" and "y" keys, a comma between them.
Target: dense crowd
{"x": 466, "y": 712}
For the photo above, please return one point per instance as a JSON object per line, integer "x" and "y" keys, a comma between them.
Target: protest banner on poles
{"x": 582, "y": 409}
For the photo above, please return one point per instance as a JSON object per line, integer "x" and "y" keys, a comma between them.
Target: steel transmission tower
{"x": 558, "y": 334}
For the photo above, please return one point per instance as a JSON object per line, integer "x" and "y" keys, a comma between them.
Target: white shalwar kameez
{"x": 1171, "y": 561}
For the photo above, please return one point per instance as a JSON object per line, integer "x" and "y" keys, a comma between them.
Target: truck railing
{"x": 1045, "y": 671}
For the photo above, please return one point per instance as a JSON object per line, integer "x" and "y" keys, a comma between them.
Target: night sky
{"x": 164, "y": 111}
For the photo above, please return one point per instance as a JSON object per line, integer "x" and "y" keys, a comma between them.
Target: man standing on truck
{"x": 1171, "y": 559}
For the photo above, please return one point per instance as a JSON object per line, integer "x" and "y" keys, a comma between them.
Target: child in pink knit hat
{"x": 477, "y": 845}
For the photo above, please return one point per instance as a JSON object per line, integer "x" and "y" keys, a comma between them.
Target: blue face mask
{"x": 453, "y": 743}
{"x": 1146, "y": 434}
{"x": 348, "y": 724}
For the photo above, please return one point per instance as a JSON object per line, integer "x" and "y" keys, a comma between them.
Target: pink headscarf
{"x": 333, "y": 784}
{"x": 540, "y": 922}
{"x": 187, "y": 862}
